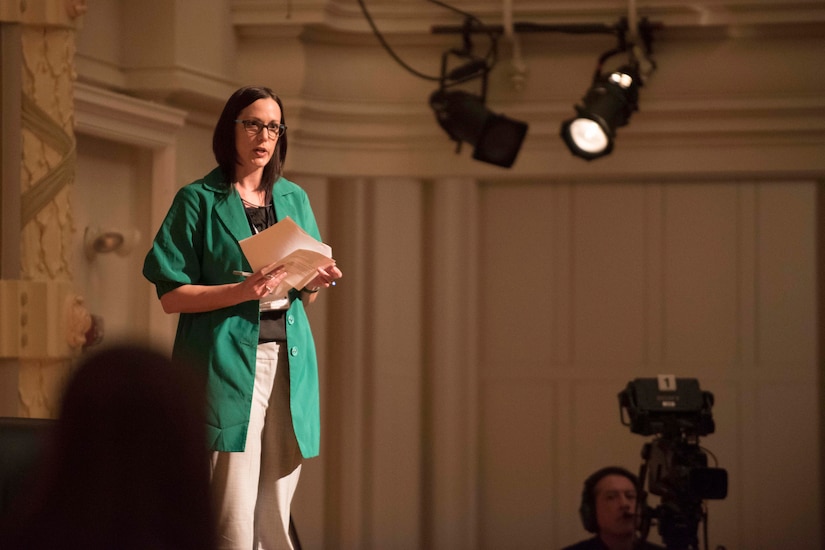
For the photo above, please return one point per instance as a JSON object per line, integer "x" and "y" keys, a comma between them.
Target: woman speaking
{"x": 256, "y": 349}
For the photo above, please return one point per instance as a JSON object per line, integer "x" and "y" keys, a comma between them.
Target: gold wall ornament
{"x": 76, "y": 8}
{"x": 79, "y": 322}
{"x": 41, "y": 316}
{"x": 42, "y": 320}
{"x": 43, "y": 191}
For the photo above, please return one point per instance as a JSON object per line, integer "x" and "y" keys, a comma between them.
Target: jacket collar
{"x": 280, "y": 189}
{"x": 228, "y": 205}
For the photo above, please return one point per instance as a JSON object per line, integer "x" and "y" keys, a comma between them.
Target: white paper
{"x": 288, "y": 245}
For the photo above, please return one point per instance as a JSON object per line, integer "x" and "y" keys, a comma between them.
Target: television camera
{"x": 677, "y": 412}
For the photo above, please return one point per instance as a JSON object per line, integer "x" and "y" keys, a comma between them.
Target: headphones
{"x": 587, "y": 510}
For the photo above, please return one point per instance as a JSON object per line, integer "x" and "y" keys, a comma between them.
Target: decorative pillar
{"x": 43, "y": 323}
{"x": 450, "y": 379}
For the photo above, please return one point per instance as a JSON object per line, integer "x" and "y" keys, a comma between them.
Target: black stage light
{"x": 608, "y": 105}
{"x": 496, "y": 139}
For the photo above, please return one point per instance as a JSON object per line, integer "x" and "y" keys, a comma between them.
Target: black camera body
{"x": 676, "y": 411}
{"x": 668, "y": 406}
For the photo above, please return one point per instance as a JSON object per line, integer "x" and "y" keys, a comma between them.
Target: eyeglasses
{"x": 255, "y": 127}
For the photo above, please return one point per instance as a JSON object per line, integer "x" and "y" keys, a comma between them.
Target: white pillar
{"x": 451, "y": 363}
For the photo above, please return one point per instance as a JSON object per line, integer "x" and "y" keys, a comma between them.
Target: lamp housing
{"x": 496, "y": 138}
{"x": 607, "y": 105}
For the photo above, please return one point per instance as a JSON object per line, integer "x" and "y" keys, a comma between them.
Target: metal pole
{"x": 575, "y": 28}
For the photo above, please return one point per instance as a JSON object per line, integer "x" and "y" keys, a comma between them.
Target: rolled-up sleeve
{"x": 175, "y": 256}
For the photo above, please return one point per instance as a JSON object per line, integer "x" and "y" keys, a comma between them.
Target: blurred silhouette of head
{"x": 128, "y": 465}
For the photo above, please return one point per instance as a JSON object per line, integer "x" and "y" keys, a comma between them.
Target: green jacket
{"x": 197, "y": 243}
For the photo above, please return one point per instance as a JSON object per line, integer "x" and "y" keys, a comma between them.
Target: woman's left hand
{"x": 326, "y": 277}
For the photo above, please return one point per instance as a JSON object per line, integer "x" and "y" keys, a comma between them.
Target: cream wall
{"x": 109, "y": 196}
{"x": 472, "y": 355}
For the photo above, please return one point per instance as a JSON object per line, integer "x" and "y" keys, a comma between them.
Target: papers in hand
{"x": 290, "y": 246}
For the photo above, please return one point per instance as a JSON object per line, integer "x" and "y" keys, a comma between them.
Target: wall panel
{"x": 609, "y": 273}
{"x": 395, "y": 378}
{"x": 517, "y": 494}
{"x": 520, "y": 276}
{"x": 110, "y": 195}
{"x": 700, "y": 242}
{"x": 786, "y": 468}
{"x": 786, "y": 279}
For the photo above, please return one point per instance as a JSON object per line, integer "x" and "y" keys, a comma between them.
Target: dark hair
{"x": 223, "y": 139}
{"x": 587, "y": 510}
{"x": 128, "y": 463}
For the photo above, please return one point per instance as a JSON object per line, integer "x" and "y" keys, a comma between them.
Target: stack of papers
{"x": 289, "y": 246}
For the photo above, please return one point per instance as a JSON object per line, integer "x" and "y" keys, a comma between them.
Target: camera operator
{"x": 609, "y": 508}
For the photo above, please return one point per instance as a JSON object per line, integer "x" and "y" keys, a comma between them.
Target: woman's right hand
{"x": 262, "y": 282}
{"x": 200, "y": 298}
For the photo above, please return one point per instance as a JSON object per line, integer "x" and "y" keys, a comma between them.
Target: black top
{"x": 260, "y": 217}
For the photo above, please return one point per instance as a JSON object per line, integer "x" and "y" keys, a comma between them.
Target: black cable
{"x": 708, "y": 451}
{"x": 489, "y": 58}
{"x": 492, "y": 53}
{"x": 387, "y": 47}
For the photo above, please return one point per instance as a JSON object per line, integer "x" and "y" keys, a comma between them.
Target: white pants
{"x": 253, "y": 489}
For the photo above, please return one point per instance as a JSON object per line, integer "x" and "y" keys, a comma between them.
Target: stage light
{"x": 496, "y": 138}
{"x": 607, "y": 105}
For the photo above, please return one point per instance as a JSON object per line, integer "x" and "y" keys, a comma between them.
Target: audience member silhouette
{"x": 127, "y": 467}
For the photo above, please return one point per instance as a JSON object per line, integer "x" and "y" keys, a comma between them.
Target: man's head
{"x": 608, "y": 504}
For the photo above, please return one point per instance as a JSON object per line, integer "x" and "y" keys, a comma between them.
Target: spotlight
{"x": 496, "y": 139}
{"x": 608, "y": 105}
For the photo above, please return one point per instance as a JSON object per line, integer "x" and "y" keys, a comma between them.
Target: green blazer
{"x": 197, "y": 243}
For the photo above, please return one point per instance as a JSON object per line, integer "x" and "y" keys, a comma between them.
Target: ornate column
{"x": 43, "y": 323}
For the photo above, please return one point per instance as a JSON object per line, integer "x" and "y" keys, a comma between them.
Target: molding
{"x": 181, "y": 86}
{"x": 285, "y": 13}
{"x": 392, "y": 16}
{"x": 717, "y": 135}
{"x": 125, "y": 119}
{"x": 96, "y": 72}
{"x": 393, "y": 126}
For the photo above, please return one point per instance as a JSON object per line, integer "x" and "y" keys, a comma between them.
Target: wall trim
{"x": 123, "y": 119}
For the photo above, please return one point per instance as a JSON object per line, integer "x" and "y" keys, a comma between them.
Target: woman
{"x": 257, "y": 350}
